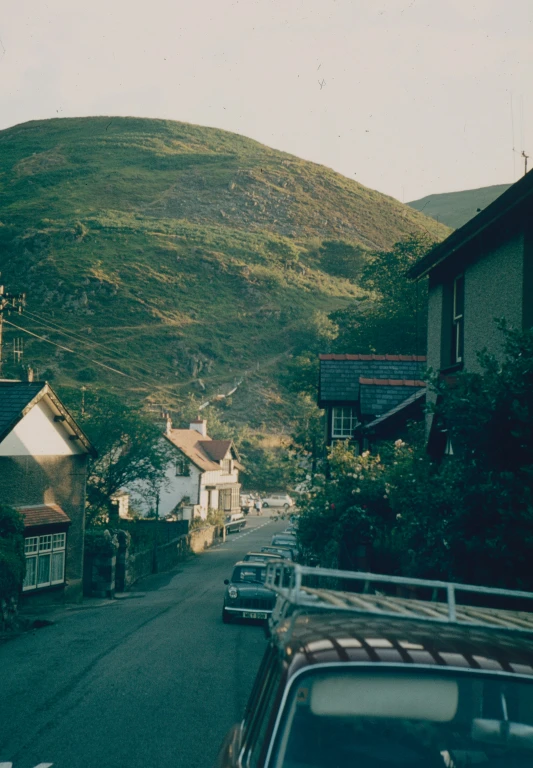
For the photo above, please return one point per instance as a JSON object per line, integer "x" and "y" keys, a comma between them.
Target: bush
{"x": 12, "y": 559}
{"x": 100, "y": 542}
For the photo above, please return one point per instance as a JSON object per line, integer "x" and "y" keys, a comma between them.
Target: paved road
{"x": 153, "y": 680}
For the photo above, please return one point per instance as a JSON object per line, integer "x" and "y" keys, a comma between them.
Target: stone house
{"x": 368, "y": 398}
{"x": 203, "y": 476}
{"x": 43, "y": 468}
{"x": 482, "y": 272}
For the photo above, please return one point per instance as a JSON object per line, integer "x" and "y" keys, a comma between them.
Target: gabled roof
{"x": 378, "y": 396}
{"x": 43, "y": 514}
{"x": 216, "y": 449}
{"x": 206, "y": 454}
{"x": 510, "y": 201}
{"x": 340, "y": 375}
{"x": 17, "y": 398}
{"x": 401, "y": 411}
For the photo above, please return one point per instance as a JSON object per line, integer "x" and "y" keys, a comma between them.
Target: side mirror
{"x": 226, "y": 581}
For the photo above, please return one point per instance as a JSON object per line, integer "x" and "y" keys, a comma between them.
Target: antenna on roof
{"x": 526, "y": 158}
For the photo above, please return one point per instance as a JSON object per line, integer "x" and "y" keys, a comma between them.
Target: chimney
{"x": 199, "y": 425}
{"x": 168, "y": 422}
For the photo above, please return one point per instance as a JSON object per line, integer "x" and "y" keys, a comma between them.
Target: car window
{"x": 248, "y": 573}
{"x": 264, "y": 711}
{"x": 409, "y": 718}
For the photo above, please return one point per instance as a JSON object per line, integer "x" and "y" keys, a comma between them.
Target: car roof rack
{"x": 302, "y": 586}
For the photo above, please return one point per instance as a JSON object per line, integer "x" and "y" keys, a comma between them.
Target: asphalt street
{"x": 154, "y": 680}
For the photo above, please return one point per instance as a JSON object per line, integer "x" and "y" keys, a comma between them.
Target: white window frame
{"x": 348, "y": 422}
{"x": 47, "y": 545}
{"x": 458, "y": 319}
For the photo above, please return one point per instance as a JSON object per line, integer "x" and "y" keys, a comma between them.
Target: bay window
{"x": 45, "y": 560}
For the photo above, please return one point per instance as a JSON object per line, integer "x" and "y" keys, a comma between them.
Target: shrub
{"x": 12, "y": 560}
{"x": 100, "y": 542}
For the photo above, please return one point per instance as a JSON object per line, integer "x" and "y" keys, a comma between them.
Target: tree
{"x": 130, "y": 448}
{"x": 394, "y": 319}
{"x": 342, "y": 259}
{"x": 12, "y": 559}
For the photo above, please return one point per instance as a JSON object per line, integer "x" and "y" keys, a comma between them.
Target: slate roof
{"x": 379, "y": 396}
{"x": 43, "y": 514}
{"x": 340, "y": 374}
{"x": 417, "y": 397}
{"x": 518, "y": 196}
{"x": 17, "y": 398}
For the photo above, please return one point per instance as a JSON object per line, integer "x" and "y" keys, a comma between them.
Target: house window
{"x": 229, "y": 498}
{"x": 226, "y": 465}
{"x": 344, "y": 421}
{"x": 458, "y": 304}
{"x": 182, "y": 467}
{"x": 45, "y": 560}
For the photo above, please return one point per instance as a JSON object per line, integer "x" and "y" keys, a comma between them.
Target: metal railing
{"x": 288, "y": 580}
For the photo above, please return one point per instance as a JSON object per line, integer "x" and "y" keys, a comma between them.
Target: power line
{"x": 91, "y": 344}
{"x": 67, "y": 349}
{"x": 149, "y": 385}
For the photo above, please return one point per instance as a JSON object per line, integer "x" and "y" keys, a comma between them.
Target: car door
{"x": 262, "y": 711}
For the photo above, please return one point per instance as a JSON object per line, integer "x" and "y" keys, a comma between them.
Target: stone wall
{"x": 203, "y": 538}
{"x": 105, "y": 575}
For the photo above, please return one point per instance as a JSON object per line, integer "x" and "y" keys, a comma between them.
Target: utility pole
{"x": 526, "y": 158}
{"x": 9, "y": 302}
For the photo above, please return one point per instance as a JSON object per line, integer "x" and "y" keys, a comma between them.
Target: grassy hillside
{"x": 185, "y": 257}
{"x": 456, "y": 208}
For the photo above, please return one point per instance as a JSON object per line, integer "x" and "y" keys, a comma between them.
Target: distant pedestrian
{"x": 258, "y": 506}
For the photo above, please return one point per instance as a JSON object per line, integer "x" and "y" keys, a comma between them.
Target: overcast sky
{"x": 409, "y": 97}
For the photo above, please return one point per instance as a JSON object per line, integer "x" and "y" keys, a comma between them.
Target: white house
{"x": 204, "y": 475}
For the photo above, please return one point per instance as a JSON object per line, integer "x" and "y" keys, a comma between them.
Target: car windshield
{"x": 411, "y": 719}
{"x": 284, "y": 540}
{"x": 249, "y": 573}
{"x": 262, "y": 557}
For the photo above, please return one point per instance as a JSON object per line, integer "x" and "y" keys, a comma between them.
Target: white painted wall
{"x": 37, "y": 434}
{"x": 176, "y": 487}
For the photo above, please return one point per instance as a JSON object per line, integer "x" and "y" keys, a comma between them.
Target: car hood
{"x": 252, "y": 590}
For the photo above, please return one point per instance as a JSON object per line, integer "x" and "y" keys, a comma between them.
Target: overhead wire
{"x": 90, "y": 343}
{"x": 67, "y": 349}
{"x": 166, "y": 388}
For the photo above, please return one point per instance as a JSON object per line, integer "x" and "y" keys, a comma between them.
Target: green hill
{"x": 456, "y": 208}
{"x": 185, "y": 257}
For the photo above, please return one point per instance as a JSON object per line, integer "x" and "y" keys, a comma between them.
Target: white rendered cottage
{"x": 203, "y": 476}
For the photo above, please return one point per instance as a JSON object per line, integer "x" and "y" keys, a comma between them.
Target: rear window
{"x": 405, "y": 719}
{"x": 251, "y": 573}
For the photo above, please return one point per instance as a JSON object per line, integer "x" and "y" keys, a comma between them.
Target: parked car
{"x": 246, "y": 596}
{"x": 369, "y": 687}
{"x": 235, "y": 522}
{"x": 262, "y": 557}
{"x": 284, "y": 552}
{"x": 278, "y": 500}
{"x": 285, "y": 539}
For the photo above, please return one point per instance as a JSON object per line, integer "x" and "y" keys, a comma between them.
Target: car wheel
{"x": 265, "y": 505}
{"x": 226, "y": 618}
{"x": 285, "y": 506}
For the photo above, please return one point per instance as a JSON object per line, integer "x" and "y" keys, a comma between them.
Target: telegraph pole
{"x": 9, "y": 302}
{"x": 526, "y": 158}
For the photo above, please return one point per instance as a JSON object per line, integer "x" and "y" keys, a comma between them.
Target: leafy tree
{"x": 342, "y": 259}
{"x": 130, "y": 449}
{"x": 12, "y": 559}
{"x": 394, "y": 320}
